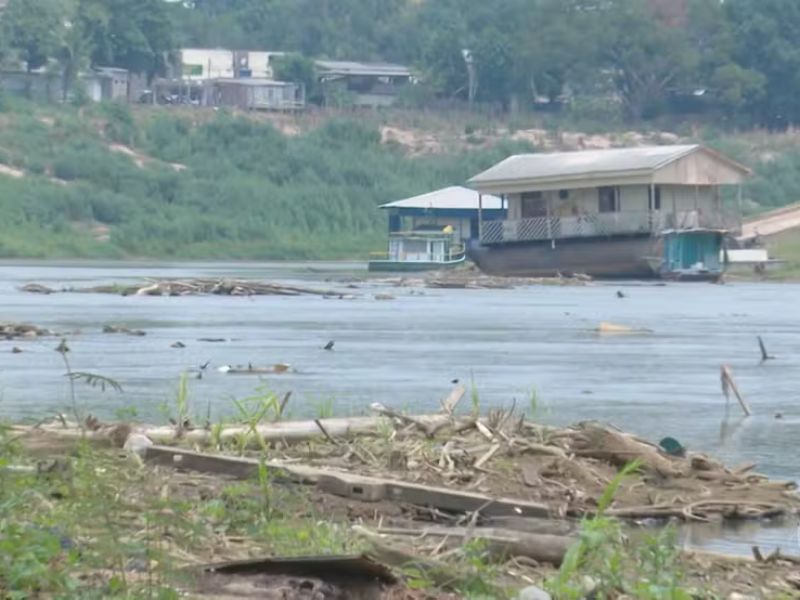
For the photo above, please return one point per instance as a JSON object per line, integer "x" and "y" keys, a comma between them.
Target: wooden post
{"x": 652, "y": 207}
{"x": 728, "y": 385}
{"x": 549, "y": 213}
{"x": 480, "y": 217}
{"x": 739, "y": 206}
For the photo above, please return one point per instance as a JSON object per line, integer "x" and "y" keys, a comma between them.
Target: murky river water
{"x": 405, "y": 352}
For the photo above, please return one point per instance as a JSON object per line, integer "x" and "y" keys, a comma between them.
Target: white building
{"x": 200, "y": 64}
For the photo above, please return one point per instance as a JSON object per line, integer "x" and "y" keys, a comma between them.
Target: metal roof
{"x": 602, "y": 163}
{"x": 343, "y": 67}
{"x": 450, "y": 198}
{"x": 253, "y": 81}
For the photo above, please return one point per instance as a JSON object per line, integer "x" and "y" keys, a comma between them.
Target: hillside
{"x": 105, "y": 181}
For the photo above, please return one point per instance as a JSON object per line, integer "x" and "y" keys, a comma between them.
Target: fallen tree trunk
{"x": 286, "y": 431}
{"x": 501, "y": 543}
{"x": 619, "y": 449}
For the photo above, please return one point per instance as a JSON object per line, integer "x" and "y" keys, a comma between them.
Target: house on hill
{"x": 363, "y": 84}
{"x": 231, "y": 78}
{"x": 629, "y": 212}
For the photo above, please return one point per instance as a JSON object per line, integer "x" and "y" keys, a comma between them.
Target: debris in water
{"x": 249, "y": 369}
{"x": 11, "y": 331}
{"x": 122, "y": 329}
{"x": 189, "y": 287}
{"x": 764, "y": 355}
{"x": 606, "y": 328}
{"x": 178, "y": 345}
{"x": 329, "y": 345}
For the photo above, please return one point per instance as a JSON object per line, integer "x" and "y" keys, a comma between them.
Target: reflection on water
{"x": 405, "y": 352}
{"x": 741, "y": 537}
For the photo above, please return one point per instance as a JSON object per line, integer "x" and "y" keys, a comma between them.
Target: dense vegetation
{"x": 246, "y": 191}
{"x": 697, "y": 67}
{"x": 735, "y": 62}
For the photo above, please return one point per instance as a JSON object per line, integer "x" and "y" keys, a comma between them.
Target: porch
{"x": 633, "y": 223}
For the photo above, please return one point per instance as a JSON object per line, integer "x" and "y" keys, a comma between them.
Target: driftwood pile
{"x": 469, "y": 279}
{"x": 520, "y": 465}
{"x": 12, "y": 331}
{"x": 189, "y": 287}
{"x": 415, "y": 488}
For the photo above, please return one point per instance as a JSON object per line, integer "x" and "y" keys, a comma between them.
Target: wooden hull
{"x": 620, "y": 257}
{"x": 398, "y": 266}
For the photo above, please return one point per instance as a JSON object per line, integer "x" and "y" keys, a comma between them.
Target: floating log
{"x": 123, "y": 329}
{"x": 606, "y": 328}
{"x": 275, "y": 369}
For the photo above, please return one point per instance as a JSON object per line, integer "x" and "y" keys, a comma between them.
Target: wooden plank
{"x": 374, "y": 489}
{"x": 231, "y": 466}
{"x": 348, "y": 485}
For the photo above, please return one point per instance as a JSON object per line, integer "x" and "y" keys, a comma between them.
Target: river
{"x": 405, "y": 352}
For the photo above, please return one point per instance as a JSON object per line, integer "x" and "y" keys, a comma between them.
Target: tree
{"x": 84, "y": 19}
{"x": 644, "y": 56}
{"x": 297, "y": 69}
{"x": 766, "y": 42}
{"x": 34, "y": 29}
{"x": 728, "y": 86}
{"x": 137, "y": 36}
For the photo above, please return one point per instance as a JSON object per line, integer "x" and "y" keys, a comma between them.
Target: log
{"x": 620, "y": 449}
{"x": 449, "y": 404}
{"x": 501, "y": 543}
{"x": 560, "y": 527}
{"x": 287, "y": 431}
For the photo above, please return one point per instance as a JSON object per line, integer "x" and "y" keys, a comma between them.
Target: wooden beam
{"x": 348, "y": 485}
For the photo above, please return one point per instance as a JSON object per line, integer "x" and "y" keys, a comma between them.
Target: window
{"x": 563, "y": 194}
{"x": 608, "y": 199}
{"x": 654, "y": 193}
{"x": 533, "y": 205}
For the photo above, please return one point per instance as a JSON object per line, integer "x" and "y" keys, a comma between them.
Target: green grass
{"x": 217, "y": 187}
{"x": 212, "y": 185}
{"x": 103, "y": 527}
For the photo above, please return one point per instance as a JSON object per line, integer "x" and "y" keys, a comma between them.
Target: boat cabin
{"x": 455, "y": 207}
{"x": 420, "y": 251}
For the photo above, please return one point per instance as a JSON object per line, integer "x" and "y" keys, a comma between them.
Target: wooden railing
{"x": 600, "y": 225}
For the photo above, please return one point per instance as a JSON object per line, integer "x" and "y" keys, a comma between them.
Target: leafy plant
{"x": 604, "y": 556}
{"x": 96, "y": 381}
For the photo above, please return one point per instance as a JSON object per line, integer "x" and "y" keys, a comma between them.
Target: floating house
{"x": 431, "y": 231}
{"x": 630, "y": 212}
